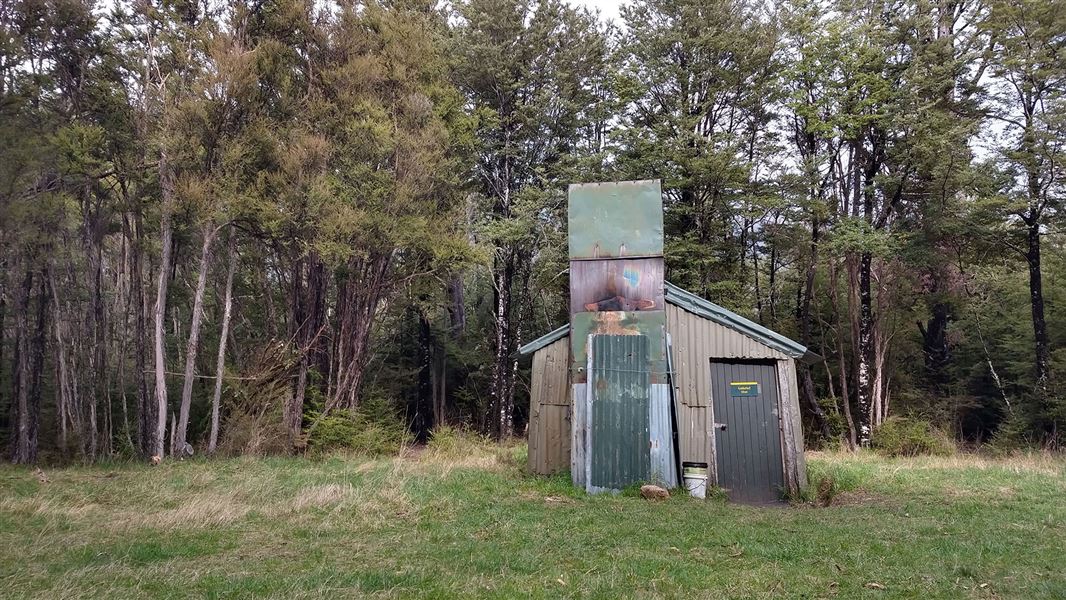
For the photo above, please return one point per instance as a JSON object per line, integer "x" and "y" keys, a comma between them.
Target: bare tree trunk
{"x": 845, "y": 394}
{"x": 31, "y": 363}
{"x": 20, "y": 375}
{"x": 63, "y": 394}
{"x": 807, "y": 384}
{"x": 1042, "y": 353}
{"x": 167, "y": 239}
{"x": 220, "y": 365}
{"x": 864, "y": 380}
{"x": 502, "y": 400}
{"x": 357, "y": 305}
{"x": 193, "y": 347}
{"x": 146, "y": 408}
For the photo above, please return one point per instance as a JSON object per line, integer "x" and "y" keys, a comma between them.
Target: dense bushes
{"x": 446, "y": 440}
{"x": 903, "y": 436}
{"x": 372, "y": 430}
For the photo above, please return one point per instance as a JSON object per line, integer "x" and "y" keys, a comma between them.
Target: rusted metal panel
{"x": 549, "y": 411}
{"x": 616, "y": 220}
{"x": 695, "y": 341}
{"x": 618, "y": 416}
{"x": 647, "y": 323}
{"x": 616, "y": 285}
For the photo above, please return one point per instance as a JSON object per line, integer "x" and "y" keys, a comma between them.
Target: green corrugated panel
{"x": 621, "y": 388}
{"x": 650, "y": 323}
{"x": 613, "y": 220}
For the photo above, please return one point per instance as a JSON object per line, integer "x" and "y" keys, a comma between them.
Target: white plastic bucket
{"x": 696, "y": 485}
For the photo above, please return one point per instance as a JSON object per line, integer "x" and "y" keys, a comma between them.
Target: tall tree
{"x": 1028, "y": 100}
{"x": 532, "y": 74}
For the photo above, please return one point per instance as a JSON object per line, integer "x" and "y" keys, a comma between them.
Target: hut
{"x": 648, "y": 377}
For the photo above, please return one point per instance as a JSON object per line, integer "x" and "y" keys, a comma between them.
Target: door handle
{"x": 721, "y": 426}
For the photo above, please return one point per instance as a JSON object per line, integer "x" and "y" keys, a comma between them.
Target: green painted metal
{"x": 619, "y": 423}
{"x": 651, "y": 323}
{"x": 748, "y": 432}
{"x": 545, "y": 340}
{"x": 709, "y": 310}
{"x": 615, "y": 220}
{"x": 583, "y": 322}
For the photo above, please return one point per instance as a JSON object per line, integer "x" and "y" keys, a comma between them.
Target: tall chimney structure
{"x": 622, "y": 430}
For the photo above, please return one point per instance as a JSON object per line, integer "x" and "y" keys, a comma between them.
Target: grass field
{"x": 472, "y": 524}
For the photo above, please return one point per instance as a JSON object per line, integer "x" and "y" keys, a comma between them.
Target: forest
{"x": 280, "y": 226}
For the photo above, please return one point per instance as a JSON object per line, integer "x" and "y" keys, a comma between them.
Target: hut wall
{"x": 694, "y": 341}
{"x": 549, "y": 409}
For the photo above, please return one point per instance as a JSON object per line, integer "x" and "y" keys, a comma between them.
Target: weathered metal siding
{"x": 694, "y": 435}
{"x": 579, "y": 438}
{"x": 637, "y": 279}
{"x": 619, "y": 391}
{"x": 650, "y": 324}
{"x": 792, "y": 427}
{"x": 615, "y": 220}
{"x": 549, "y": 409}
{"x": 695, "y": 341}
{"x": 661, "y": 428}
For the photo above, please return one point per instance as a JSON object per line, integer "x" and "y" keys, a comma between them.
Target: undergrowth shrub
{"x": 446, "y": 440}
{"x": 903, "y": 436}
{"x": 371, "y": 430}
{"x": 827, "y": 479}
{"x": 252, "y": 421}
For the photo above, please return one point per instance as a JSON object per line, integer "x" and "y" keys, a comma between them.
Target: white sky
{"x": 608, "y": 8}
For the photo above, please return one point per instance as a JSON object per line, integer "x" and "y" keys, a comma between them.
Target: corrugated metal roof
{"x": 706, "y": 309}
{"x": 545, "y": 339}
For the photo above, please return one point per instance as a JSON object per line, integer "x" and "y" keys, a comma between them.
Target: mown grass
{"x": 462, "y": 524}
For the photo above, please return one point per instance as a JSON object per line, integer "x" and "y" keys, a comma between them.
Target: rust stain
{"x": 614, "y": 323}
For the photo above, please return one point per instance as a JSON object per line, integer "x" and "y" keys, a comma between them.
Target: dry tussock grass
{"x": 1042, "y": 463}
{"x": 196, "y": 512}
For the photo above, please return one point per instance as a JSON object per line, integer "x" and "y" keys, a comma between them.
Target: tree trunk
{"x": 807, "y": 392}
{"x": 845, "y": 392}
{"x": 502, "y": 398}
{"x": 864, "y": 378}
{"x": 31, "y": 364}
{"x": 146, "y": 408}
{"x": 167, "y": 240}
{"x": 359, "y": 297}
{"x": 193, "y": 347}
{"x": 220, "y": 365}
{"x": 20, "y": 375}
{"x": 1042, "y": 354}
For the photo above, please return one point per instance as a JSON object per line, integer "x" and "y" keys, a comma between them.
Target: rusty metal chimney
{"x": 617, "y": 335}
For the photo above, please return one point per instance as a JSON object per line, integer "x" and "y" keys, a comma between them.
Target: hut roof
{"x": 709, "y": 310}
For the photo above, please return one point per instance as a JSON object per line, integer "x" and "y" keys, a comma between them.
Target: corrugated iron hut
{"x": 648, "y": 376}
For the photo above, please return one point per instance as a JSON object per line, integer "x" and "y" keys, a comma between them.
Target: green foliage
{"x": 456, "y": 442}
{"x": 906, "y": 436}
{"x": 372, "y": 430}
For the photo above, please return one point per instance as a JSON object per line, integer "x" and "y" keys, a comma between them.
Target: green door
{"x": 618, "y": 428}
{"x": 747, "y": 431}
